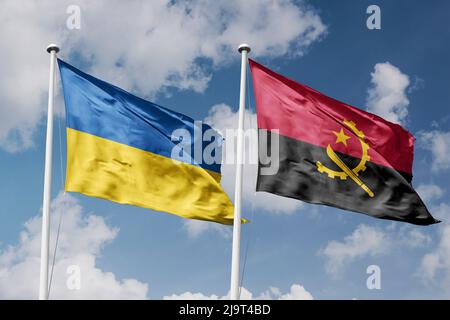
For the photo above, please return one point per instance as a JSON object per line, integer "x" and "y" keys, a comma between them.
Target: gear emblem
{"x": 346, "y": 171}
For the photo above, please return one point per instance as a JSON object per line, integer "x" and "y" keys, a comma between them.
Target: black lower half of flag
{"x": 321, "y": 176}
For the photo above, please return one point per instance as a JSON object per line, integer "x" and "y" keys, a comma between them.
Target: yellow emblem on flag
{"x": 346, "y": 171}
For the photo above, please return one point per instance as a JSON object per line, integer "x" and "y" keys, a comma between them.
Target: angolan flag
{"x": 334, "y": 154}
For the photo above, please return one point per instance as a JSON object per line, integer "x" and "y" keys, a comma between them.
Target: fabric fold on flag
{"x": 125, "y": 149}
{"x": 334, "y": 154}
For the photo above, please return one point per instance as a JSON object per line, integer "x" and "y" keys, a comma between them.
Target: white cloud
{"x": 412, "y": 238}
{"x": 438, "y": 143}
{"x": 365, "y": 240}
{"x": 368, "y": 241}
{"x": 195, "y": 228}
{"x": 429, "y": 192}
{"x": 441, "y": 211}
{"x": 387, "y": 95}
{"x": 143, "y": 46}
{"x": 81, "y": 241}
{"x": 191, "y": 296}
{"x": 296, "y": 292}
{"x": 25, "y": 31}
{"x": 435, "y": 266}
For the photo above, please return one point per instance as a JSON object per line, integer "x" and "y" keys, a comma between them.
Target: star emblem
{"x": 341, "y": 137}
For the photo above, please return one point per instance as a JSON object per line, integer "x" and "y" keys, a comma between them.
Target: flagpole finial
{"x": 52, "y": 47}
{"x": 244, "y": 47}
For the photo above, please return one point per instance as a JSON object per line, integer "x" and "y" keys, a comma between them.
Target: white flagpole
{"x": 244, "y": 49}
{"x": 43, "y": 280}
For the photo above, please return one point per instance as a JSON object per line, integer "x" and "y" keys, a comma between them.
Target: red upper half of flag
{"x": 302, "y": 113}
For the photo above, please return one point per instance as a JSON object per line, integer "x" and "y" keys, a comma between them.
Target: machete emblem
{"x": 346, "y": 171}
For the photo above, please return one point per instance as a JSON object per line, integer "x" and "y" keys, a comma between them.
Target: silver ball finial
{"x": 52, "y": 47}
{"x": 243, "y": 47}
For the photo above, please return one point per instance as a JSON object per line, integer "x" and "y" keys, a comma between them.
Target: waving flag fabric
{"x": 123, "y": 148}
{"x": 334, "y": 154}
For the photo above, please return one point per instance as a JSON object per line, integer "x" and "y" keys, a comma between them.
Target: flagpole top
{"x": 244, "y": 47}
{"x": 52, "y": 47}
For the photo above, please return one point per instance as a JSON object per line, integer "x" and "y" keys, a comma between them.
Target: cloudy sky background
{"x": 183, "y": 55}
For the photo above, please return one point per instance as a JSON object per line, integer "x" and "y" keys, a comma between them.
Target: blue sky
{"x": 189, "y": 63}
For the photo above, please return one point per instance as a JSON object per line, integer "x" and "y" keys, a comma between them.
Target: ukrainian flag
{"x": 122, "y": 148}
